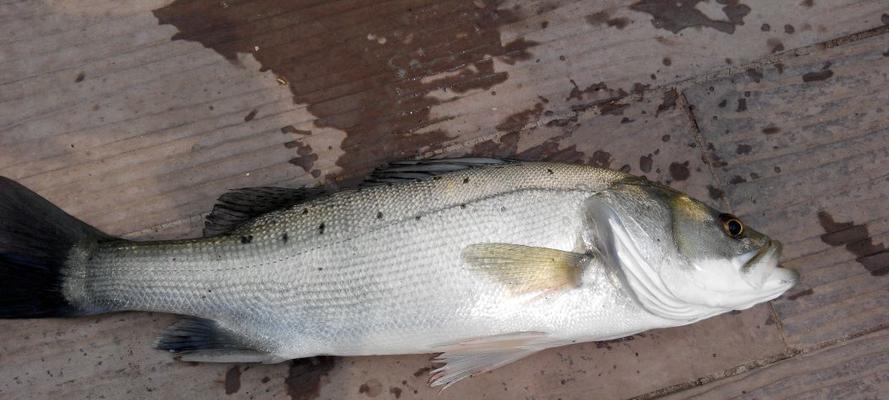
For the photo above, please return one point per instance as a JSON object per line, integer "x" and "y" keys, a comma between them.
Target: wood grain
{"x": 805, "y": 160}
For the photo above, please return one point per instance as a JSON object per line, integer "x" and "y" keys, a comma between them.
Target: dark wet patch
{"x": 520, "y": 119}
{"x": 371, "y": 388}
{"x": 675, "y": 16}
{"x": 715, "y": 193}
{"x": 305, "y": 158}
{"x": 779, "y": 67}
{"x": 743, "y": 149}
{"x": 503, "y": 146}
{"x": 668, "y": 103}
{"x": 765, "y": 28}
{"x": 304, "y": 376}
{"x": 770, "y": 320}
{"x": 292, "y": 129}
{"x": 807, "y": 3}
{"x": 602, "y": 17}
{"x": 665, "y": 138}
{"x": 645, "y": 163}
{"x": 232, "y": 380}
{"x": 789, "y": 29}
{"x": 252, "y": 114}
{"x": 265, "y": 379}
{"x": 422, "y": 371}
{"x": 597, "y": 90}
{"x": 722, "y": 103}
{"x": 361, "y": 69}
{"x": 857, "y": 240}
{"x": 771, "y": 130}
{"x": 395, "y": 391}
{"x": 807, "y": 292}
{"x": 737, "y": 179}
{"x": 80, "y": 77}
{"x": 817, "y": 76}
{"x": 667, "y": 61}
{"x": 742, "y": 105}
{"x": 601, "y": 159}
{"x": 679, "y": 171}
{"x": 775, "y": 45}
{"x": 754, "y": 74}
{"x": 884, "y": 19}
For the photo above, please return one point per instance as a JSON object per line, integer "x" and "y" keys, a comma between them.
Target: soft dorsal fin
{"x": 241, "y": 205}
{"x": 414, "y": 170}
{"x": 479, "y": 355}
{"x": 525, "y": 269}
{"x": 204, "y": 340}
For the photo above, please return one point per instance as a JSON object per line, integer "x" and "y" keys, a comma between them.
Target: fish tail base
{"x": 36, "y": 239}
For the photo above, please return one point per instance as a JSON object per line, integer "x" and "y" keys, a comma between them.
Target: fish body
{"x": 482, "y": 260}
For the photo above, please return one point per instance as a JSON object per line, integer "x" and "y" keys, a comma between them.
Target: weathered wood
{"x": 858, "y": 369}
{"x": 801, "y": 147}
{"x": 134, "y": 116}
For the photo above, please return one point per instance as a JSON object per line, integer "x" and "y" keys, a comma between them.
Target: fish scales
{"x": 309, "y": 289}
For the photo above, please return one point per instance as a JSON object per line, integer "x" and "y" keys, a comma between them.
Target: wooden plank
{"x": 43, "y": 358}
{"x": 858, "y": 369}
{"x": 801, "y": 147}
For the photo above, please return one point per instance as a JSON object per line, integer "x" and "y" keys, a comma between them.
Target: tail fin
{"x": 35, "y": 240}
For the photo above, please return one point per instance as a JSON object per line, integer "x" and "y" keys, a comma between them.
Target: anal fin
{"x": 203, "y": 340}
{"x": 479, "y": 355}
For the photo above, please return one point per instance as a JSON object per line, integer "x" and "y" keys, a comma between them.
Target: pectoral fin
{"x": 479, "y": 355}
{"x": 526, "y": 269}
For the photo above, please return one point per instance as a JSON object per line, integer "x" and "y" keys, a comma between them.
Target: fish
{"x": 481, "y": 261}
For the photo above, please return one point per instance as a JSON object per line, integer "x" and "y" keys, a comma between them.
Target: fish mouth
{"x": 765, "y": 265}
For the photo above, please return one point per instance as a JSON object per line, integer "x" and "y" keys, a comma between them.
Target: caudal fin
{"x": 36, "y": 238}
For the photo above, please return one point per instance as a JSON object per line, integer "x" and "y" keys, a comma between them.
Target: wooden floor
{"x": 135, "y": 116}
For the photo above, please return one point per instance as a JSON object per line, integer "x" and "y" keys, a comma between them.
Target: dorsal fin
{"x": 241, "y": 205}
{"x": 419, "y": 170}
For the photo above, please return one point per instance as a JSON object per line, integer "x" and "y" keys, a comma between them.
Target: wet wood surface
{"x": 134, "y": 117}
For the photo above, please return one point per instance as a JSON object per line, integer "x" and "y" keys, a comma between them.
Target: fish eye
{"x": 732, "y": 225}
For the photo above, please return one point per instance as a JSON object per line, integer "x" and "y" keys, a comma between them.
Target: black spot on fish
{"x": 305, "y": 211}
{"x": 462, "y": 205}
{"x": 549, "y": 171}
{"x": 379, "y": 215}
{"x": 417, "y": 218}
{"x": 857, "y": 240}
{"x": 321, "y": 229}
{"x": 284, "y": 238}
{"x": 246, "y": 239}
{"x": 466, "y": 180}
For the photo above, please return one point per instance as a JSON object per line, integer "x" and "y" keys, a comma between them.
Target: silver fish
{"x": 483, "y": 261}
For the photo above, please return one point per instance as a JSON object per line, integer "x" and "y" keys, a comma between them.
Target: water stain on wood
{"x": 645, "y": 163}
{"x": 249, "y": 117}
{"x": 304, "y": 376}
{"x": 371, "y": 388}
{"x": 232, "y": 380}
{"x": 817, "y": 76}
{"x": 715, "y": 193}
{"x": 754, "y": 74}
{"x": 675, "y": 16}
{"x": 742, "y": 105}
{"x": 395, "y": 391}
{"x": 422, "y": 371}
{"x": 679, "y": 171}
{"x": 292, "y": 129}
{"x": 857, "y": 240}
{"x": 807, "y": 292}
{"x": 771, "y": 130}
{"x": 668, "y": 103}
{"x": 603, "y": 17}
{"x": 305, "y": 158}
{"x": 377, "y": 91}
{"x": 520, "y": 119}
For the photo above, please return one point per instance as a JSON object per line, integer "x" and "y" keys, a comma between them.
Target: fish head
{"x": 680, "y": 258}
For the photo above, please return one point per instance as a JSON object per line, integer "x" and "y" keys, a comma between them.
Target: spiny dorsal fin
{"x": 479, "y": 355}
{"x": 204, "y": 340}
{"x": 241, "y": 205}
{"x": 414, "y": 170}
{"x": 525, "y": 269}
